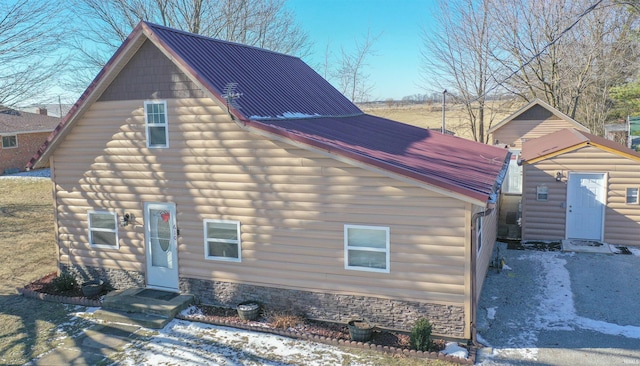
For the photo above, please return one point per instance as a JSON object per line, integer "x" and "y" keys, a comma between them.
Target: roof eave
{"x": 555, "y": 153}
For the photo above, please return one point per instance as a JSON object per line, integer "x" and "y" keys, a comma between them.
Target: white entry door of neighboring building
{"x": 586, "y": 200}
{"x": 161, "y": 245}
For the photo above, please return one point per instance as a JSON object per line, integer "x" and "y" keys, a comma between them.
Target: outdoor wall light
{"x": 558, "y": 176}
{"x": 124, "y": 220}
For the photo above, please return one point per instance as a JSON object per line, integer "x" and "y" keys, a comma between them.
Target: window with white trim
{"x": 157, "y": 129}
{"x": 542, "y": 193}
{"x": 366, "y": 248}
{"x": 632, "y": 196}
{"x": 103, "y": 229}
{"x": 9, "y": 141}
{"x": 222, "y": 240}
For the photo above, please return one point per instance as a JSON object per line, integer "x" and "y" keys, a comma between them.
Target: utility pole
{"x": 444, "y": 104}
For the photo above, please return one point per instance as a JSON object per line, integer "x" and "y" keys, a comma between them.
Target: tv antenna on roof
{"x": 231, "y": 95}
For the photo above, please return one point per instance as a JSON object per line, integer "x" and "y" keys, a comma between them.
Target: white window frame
{"x": 636, "y": 196}
{"x": 385, "y": 250}
{"x": 10, "y": 147}
{"x": 542, "y": 193}
{"x": 114, "y": 230}
{"x": 208, "y": 240}
{"x": 150, "y": 124}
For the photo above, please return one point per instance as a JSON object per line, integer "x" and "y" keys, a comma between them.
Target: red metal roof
{"x": 282, "y": 95}
{"x": 452, "y": 163}
{"x": 567, "y": 139}
{"x": 271, "y": 84}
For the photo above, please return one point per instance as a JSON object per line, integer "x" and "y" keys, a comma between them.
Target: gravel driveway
{"x": 554, "y": 308}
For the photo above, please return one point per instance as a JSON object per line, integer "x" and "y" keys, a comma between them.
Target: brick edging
{"x": 340, "y": 342}
{"x": 83, "y": 301}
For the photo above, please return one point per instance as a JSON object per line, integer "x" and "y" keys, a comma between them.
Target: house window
{"x": 542, "y": 193}
{"x": 366, "y": 248}
{"x": 632, "y": 196}
{"x": 9, "y": 141}
{"x": 156, "y": 124}
{"x": 103, "y": 229}
{"x": 222, "y": 240}
{"x": 513, "y": 180}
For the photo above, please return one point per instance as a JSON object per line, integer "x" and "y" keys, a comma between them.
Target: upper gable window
{"x": 9, "y": 141}
{"x": 155, "y": 115}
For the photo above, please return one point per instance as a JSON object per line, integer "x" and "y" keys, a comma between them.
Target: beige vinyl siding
{"x": 489, "y": 236}
{"x": 546, "y": 220}
{"x": 512, "y": 133}
{"x": 292, "y": 205}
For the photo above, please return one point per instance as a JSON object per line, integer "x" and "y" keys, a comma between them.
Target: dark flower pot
{"x": 92, "y": 288}
{"x": 360, "y": 330}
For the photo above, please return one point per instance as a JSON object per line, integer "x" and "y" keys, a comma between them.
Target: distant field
{"x": 430, "y": 116}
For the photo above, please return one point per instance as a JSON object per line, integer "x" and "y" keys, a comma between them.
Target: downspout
{"x": 474, "y": 259}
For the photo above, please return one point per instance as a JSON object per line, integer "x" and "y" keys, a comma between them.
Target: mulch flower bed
{"x": 318, "y": 331}
{"x": 44, "y": 289}
{"x": 282, "y": 324}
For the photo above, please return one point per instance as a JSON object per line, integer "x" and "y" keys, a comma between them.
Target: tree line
{"x": 577, "y": 55}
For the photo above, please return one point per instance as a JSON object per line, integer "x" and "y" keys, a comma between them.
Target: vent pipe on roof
{"x": 444, "y": 99}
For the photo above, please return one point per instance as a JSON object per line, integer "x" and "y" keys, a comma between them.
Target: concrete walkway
{"x": 92, "y": 347}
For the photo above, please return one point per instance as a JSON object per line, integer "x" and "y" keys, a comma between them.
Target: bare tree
{"x": 568, "y": 53}
{"x": 351, "y": 77}
{"x": 105, "y": 24}
{"x": 456, "y": 57}
{"x": 29, "y": 36}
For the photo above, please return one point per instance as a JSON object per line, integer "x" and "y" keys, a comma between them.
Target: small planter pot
{"x": 360, "y": 330}
{"x": 92, "y": 288}
{"x": 248, "y": 310}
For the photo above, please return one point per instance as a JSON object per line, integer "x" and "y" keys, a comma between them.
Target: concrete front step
{"x": 141, "y": 319}
{"x": 147, "y": 301}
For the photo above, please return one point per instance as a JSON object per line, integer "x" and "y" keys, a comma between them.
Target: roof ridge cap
{"x": 186, "y": 33}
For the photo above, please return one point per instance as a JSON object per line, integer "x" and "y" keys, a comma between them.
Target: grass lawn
{"x": 27, "y": 253}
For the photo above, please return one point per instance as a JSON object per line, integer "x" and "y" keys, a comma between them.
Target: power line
{"x": 513, "y": 73}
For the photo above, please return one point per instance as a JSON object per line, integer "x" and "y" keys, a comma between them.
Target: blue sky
{"x": 395, "y": 70}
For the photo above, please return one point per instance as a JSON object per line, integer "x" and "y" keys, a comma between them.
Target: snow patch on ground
{"x": 555, "y": 310}
{"x": 187, "y": 343}
{"x": 453, "y": 349}
{"x": 30, "y": 175}
{"x": 635, "y": 251}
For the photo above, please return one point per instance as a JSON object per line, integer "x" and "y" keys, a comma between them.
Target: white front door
{"x": 161, "y": 244}
{"x": 586, "y": 200}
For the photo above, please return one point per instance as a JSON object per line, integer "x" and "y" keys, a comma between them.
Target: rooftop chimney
{"x": 41, "y": 110}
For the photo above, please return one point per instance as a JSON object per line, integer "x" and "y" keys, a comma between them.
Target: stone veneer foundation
{"x": 116, "y": 278}
{"x": 447, "y": 320}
